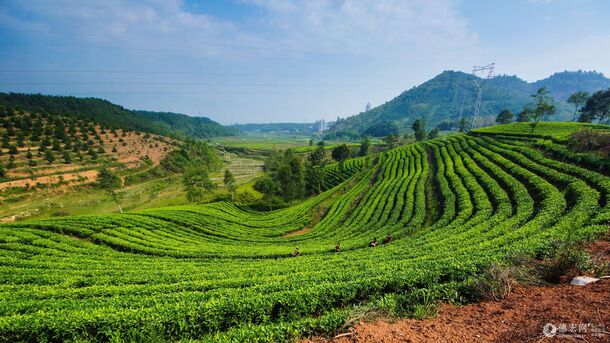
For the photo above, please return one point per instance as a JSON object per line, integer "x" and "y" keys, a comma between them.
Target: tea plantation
{"x": 222, "y": 272}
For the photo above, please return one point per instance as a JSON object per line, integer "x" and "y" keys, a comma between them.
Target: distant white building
{"x": 320, "y": 125}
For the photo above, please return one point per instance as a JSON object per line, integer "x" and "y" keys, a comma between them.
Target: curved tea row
{"x": 223, "y": 272}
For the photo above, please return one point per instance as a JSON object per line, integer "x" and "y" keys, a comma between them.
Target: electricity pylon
{"x": 486, "y": 72}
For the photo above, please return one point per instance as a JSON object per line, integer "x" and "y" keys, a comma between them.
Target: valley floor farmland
{"x": 222, "y": 272}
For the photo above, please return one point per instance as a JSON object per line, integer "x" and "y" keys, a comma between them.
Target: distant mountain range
{"x": 451, "y": 94}
{"x": 115, "y": 116}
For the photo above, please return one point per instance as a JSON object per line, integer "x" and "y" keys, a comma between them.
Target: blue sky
{"x": 272, "y": 60}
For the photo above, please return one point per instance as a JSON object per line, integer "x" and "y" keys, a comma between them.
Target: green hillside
{"x": 556, "y": 130}
{"x": 222, "y": 272}
{"x": 451, "y": 94}
{"x": 187, "y": 126}
{"x": 114, "y": 116}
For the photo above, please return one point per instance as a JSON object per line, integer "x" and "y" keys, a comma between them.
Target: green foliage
{"x": 539, "y": 110}
{"x": 49, "y": 156}
{"x": 197, "y": 183}
{"x": 284, "y": 177}
{"x": 314, "y": 173}
{"x": 230, "y": 183}
{"x": 505, "y": 117}
{"x": 391, "y": 140}
{"x": 419, "y": 128}
{"x": 382, "y": 129}
{"x": 186, "y": 126}
{"x": 578, "y": 99}
{"x": 434, "y": 133}
{"x": 596, "y": 107}
{"x": 365, "y": 146}
{"x": 67, "y": 157}
{"x": 340, "y": 153}
{"x": 114, "y": 116}
{"x": 318, "y": 156}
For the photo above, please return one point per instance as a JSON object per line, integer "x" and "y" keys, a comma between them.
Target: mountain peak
{"x": 450, "y": 95}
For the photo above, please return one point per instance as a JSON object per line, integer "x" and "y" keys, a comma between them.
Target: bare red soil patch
{"x": 298, "y": 232}
{"x": 519, "y": 318}
{"x": 576, "y": 313}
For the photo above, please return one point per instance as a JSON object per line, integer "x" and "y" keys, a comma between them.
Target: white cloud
{"x": 370, "y": 27}
{"x": 378, "y": 27}
{"x": 414, "y": 40}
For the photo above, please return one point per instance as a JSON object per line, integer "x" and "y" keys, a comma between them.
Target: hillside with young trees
{"x": 450, "y": 95}
{"x": 40, "y": 149}
{"x": 114, "y": 116}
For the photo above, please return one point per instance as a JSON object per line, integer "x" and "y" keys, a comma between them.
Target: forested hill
{"x": 115, "y": 116}
{"x": 451, "y": 94}
{"x": 193, "y": 127}
{"x": 566, "y": 83}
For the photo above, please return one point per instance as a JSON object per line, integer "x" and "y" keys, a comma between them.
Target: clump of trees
{"x": 314, "y": 170}
{"x": 283, "y": 180}
{"x": 505, "y": 117}
{"x": 196, "y": 182}
{"x": 365, "y": 146}
{"x": 578, "y": 99}
{"x": 341, "y": 153}
{"x": 288, "y": 176}
{"x": 419, "y": 128}
{"x": 597, "y": 107}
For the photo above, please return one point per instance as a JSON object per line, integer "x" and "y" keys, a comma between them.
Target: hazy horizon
{"x": 262, "y": 61}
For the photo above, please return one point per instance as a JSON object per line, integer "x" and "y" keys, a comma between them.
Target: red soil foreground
{"x": 581, "y": 312}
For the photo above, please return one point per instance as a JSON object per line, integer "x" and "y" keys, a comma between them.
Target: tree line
{"x": 587, "y": 108}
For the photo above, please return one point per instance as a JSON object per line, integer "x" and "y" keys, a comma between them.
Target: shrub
{"x": 495, "y": 282}
{"x": 590, "y": 140}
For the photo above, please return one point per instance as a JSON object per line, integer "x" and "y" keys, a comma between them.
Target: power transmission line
{"x": 476, "y": 70}
{"x": 153, "y": 72}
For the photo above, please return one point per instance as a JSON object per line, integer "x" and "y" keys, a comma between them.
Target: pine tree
{"x": 49, "y": 157}
{"x": 56, "y": 145}
{"x": 46, "y": 141}
{"x": 12, "y": 149}
{"x": 11, "y": 162}
{"x": 66, "y": 156}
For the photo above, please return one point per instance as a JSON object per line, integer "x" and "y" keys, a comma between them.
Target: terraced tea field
{"x": 220, "y": 272}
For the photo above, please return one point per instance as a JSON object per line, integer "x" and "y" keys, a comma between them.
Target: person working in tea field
{"x": 296, "y": 252}
{"x": 388, "y": 238}
{"x": 337, "y": 247}
{"x": 373, "y": 243}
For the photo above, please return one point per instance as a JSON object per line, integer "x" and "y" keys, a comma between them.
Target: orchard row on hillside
{"x": 42, "y": 148}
